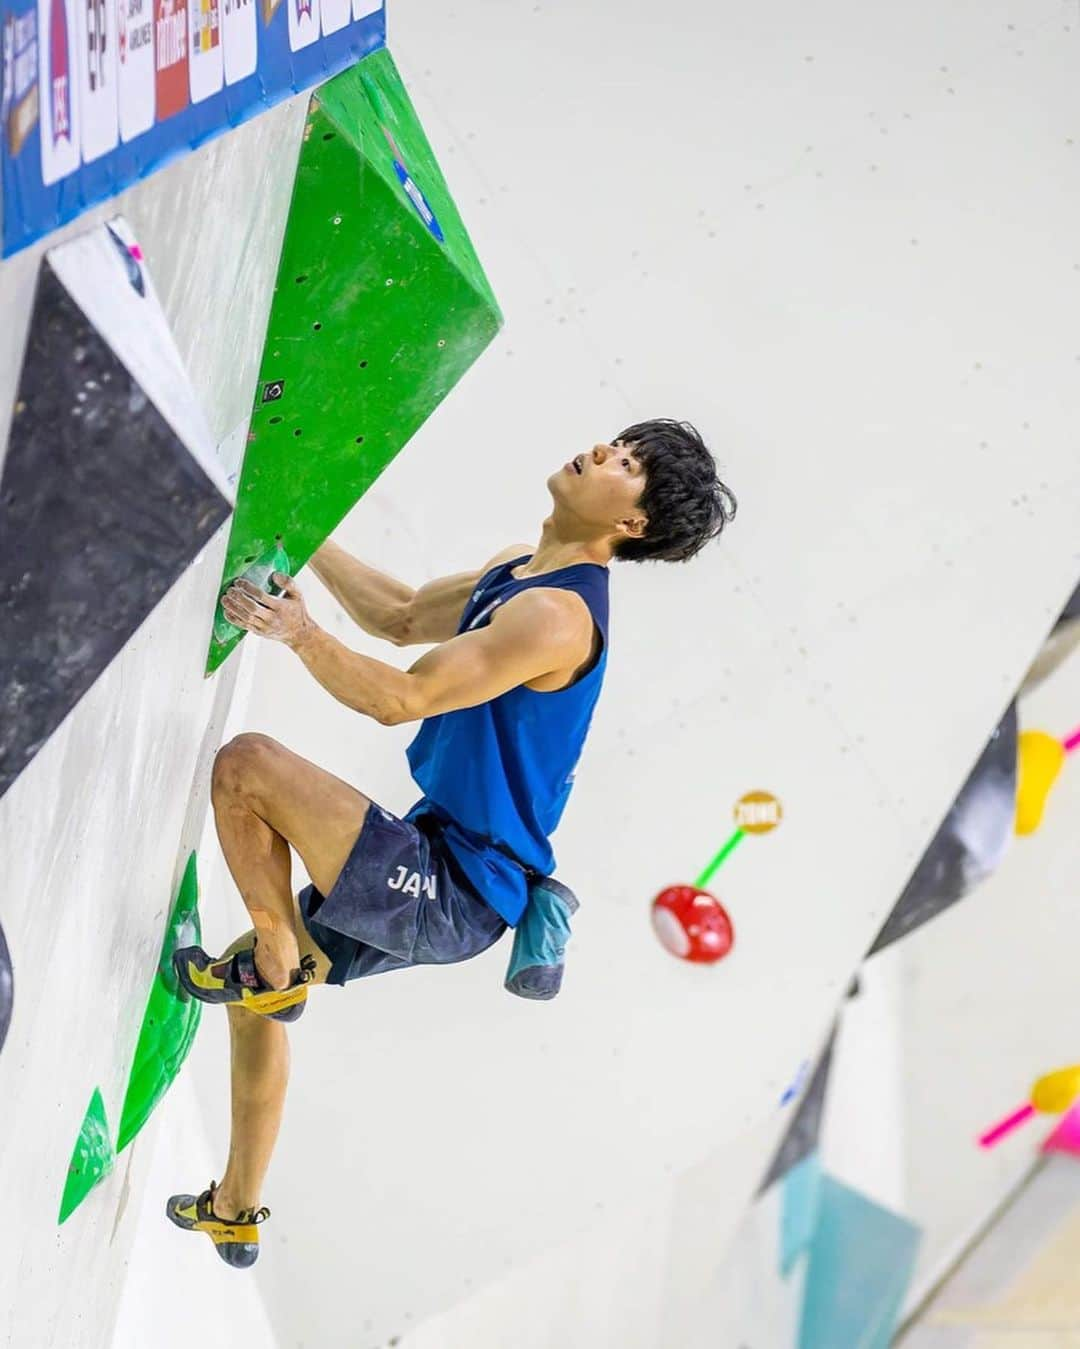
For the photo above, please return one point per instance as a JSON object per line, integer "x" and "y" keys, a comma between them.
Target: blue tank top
{"x": 498, "y": 776}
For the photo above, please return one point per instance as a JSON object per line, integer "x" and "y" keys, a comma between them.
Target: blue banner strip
{"x": 33, "y": 208}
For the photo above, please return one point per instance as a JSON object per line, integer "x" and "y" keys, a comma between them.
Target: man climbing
{"x": 505, "y": 699}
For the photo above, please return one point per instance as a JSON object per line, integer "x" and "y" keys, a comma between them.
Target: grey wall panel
{"x": 970, "y": 843}
{"x": 102, "y": 507}
{"x": 802, "y": 1136}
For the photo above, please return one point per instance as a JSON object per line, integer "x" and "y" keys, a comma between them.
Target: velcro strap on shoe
{"x": 246, "y": 973}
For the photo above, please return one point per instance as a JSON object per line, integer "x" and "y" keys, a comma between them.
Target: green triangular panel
{"x": 170, "y": 1020}
{"x": 92, "y": 1159}
{"x": 380, "y": 307}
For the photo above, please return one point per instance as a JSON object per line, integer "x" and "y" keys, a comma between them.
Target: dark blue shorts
{"x": 400, "y": 900}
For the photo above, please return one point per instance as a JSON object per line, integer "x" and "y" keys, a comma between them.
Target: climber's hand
{"x": 283, "y": 618}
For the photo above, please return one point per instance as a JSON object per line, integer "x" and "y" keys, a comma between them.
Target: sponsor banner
{"x": 96, "y": 27}
{"x": 239, "y": 38}
{"x": 100, "y": 93}
{"x": 303, "y": 22}
{"x": 135, "y": 81}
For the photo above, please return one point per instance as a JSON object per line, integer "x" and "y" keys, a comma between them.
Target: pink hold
{"x": 136, "y": 252}
{"x": 1066, "y": 1137}
{"x": 1006, "y": 1126}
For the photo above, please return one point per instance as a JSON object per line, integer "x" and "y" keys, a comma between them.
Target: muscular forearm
{"x": 378, "y": 603}
{"x": 369, "y": 686}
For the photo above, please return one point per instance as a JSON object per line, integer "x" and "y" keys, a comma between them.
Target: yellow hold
{"x": 1039, "y": 761}
{"x": 1056, "y": 1092}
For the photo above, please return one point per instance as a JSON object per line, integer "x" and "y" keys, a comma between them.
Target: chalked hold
{"x": 380, "y": 307}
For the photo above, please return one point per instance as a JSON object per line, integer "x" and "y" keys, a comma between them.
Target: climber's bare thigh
{"x": 320, "y": 815}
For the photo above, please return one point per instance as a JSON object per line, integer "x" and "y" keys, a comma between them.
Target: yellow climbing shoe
{"x": 235, "y": 1240}
{"x": 234, "y": 979}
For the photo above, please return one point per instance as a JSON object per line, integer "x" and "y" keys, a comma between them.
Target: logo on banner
{"x": 171, "y": 56}
{"x": 303, "y": 18}
{"x": 136, "y": 74}
{"x": 20, "y": 99}
{"x": 207, "y": 43}
{"x": 96, "y": 74}
{"x": 206, "y": 25}
{"x": 96, "y": 43}
{"x": 136, "y": 30}
{"x": 60, "y": 73}
{"x": 239, "y": 39}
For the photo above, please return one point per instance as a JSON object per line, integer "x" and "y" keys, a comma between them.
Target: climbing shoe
{"x": 234, "y": 979}
{"x": 236, "y": 1240}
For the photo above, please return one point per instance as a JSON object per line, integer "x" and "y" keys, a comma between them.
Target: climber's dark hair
{"x": 684, "y": 499}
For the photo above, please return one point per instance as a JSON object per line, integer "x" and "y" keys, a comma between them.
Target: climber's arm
{"x": 392, "y": 610}
{"x": 372, "y": 599}
{"x": 538, "y": 632}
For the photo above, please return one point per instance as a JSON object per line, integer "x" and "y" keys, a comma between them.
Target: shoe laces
{"x": 246, "y": 1215}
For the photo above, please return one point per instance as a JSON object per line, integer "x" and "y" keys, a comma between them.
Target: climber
{"x": 504, "y": 698}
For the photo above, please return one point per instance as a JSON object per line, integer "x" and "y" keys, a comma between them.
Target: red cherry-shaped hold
{"x": 692, "y": 924}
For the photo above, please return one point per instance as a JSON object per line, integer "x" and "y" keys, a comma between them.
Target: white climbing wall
{"x": 843, "y": 241}
{"x": 95, "y": 832}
